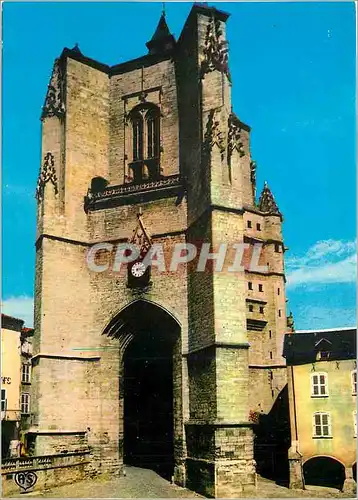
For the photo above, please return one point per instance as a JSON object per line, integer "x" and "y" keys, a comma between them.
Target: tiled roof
{"x": 301, "y": 348}
{"x": 11, "y": 323}
{"x": 27, "y": 332}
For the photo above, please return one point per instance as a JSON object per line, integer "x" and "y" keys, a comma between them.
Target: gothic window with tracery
{"x": 153, "y": 133}
{"x": 137, "y": 136}
{"x": 145, "y": 125}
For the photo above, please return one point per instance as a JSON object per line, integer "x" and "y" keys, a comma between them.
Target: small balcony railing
{"x": 132, "y": 192}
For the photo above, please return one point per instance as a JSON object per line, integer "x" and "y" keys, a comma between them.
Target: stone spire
{"x": 267, "y": 201}
{"x": 162, "y": 40}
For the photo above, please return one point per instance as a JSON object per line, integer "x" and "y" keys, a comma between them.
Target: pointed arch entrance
{"x": 150, "y": 384}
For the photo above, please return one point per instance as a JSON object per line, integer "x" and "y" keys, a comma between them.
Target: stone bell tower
{"x": 150, "y": 151}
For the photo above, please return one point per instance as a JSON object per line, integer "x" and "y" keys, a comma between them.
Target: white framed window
{"x": 25, "y": 403}
{"x": 25, "y": 373}
{"x": 355, "y": 423}
{"x": 319, "y": 385}
{"x": 354, "y": 382}
{"x": 322, "y": 425}
{"x": 3, "y": 399}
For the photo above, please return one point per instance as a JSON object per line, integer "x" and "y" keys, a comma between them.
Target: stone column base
{"x": 180, "y": 474}
{"x": 221, "y": 479}
{"x": 349, "y": 486}
{"x": 220, "y": 462}
{"x": 200, "y": 476}
{"x": 105, "y": 461}
{"x": 235, "y": 479}
{"x": 295, "y": 467}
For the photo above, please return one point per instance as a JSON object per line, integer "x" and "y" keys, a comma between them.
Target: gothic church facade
{"x": 167, "y": 366}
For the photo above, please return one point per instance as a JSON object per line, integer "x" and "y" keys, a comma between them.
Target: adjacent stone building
{"x": 322, "y": 385}
{"x": 16, "y": 351}
{"x": 162, "y": 366}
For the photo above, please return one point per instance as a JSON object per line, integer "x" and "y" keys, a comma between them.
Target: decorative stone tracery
{"x": 213, "y": 136}
{"x": 55, "y": 97}
{"x": 253, "y": 167}
{"x": 141, "y": 238}
{"x": 143, "y": 242}
{"x": 215, "y": 49}
{"x": 234, "y": 138}
{"x": 47, "y": 173}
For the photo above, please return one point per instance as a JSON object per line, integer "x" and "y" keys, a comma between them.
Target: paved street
{"x": 138, "y": 483}
{"x": 145, "y": 483}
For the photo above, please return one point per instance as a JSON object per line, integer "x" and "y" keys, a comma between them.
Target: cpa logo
{"x": 25, "y": 479}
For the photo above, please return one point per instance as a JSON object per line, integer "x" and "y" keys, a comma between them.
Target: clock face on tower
{"x": 138, "y": 269}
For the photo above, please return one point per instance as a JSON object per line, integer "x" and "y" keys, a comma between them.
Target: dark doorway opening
{"x": 324, "y": 471}
{"x": 8, "y": 433}
{"x": 272, "y": 441}
{"x": 148, "y": 369}
{"x": 354, "y": 470}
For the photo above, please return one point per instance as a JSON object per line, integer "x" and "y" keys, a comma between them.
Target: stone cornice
{"x": 209, "y": 11}
{"x": 267, "y": 367}
{"x": 65, "y": 357}
{"x": 61, "y": 239}
{"x": 257, "y": 301}
{"x": 78, "y": 56}
{"x": 140, "y": 62}
{"x": 52, "y": 431}
{"x": 117, "y": 69}
{"x": 218, "y": 423}
{"x": 217, "y": 345}
{"x": 256, "y": 210}
{"x": 264, "y": 241}
{"x": 269, "y": 273}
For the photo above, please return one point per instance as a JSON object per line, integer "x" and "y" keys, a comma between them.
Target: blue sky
{"x": 293, "y": 70}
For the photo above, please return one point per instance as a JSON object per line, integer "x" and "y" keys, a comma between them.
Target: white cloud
{"x": 329, "y": 261}
{"x": 21, "y": 307}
